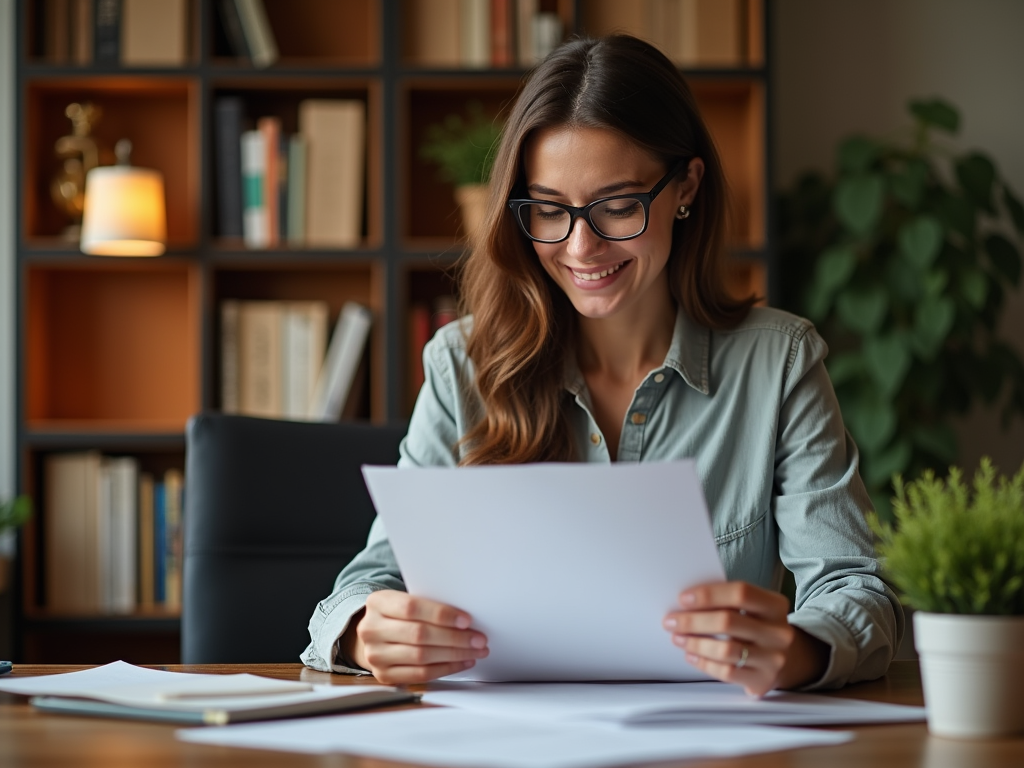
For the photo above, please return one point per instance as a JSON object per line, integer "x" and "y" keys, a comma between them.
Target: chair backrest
{"x": 273, "y": 511}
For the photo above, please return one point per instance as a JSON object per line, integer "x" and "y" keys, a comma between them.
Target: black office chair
{"x": 273, "y": 511}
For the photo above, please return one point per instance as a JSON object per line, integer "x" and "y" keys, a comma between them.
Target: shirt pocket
{"x": 750, "y": 552}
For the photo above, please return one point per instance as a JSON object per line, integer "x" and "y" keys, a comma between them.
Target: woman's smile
{"x": 591, "y": 278}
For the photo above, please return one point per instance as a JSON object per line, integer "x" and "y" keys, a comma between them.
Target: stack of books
{"x": 113, "y": 535}
{"x": 303, "y": 190}
{"x": 275, "y": 361}
{"x": 425, "y": 319}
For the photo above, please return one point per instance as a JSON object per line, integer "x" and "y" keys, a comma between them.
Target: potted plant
{"x": 903, "y": 260}
{"x": 462, "y": 146}
{"x": 13, "y": 514}
{"x": 957, "y": 557}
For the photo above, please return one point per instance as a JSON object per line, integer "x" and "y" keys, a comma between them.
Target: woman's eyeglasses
{"x": 620, "y": 217}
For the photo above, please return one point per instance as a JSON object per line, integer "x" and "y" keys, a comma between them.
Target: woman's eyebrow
{"x": 610, "y": 189}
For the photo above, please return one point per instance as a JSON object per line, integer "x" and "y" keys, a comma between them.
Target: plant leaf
{"x": 887, "y": 360}
{"x": 937, "y": 439}
{"x": 834, "y": 268}
{"x": 935, "y": 282}
{"x": 957, "y": 213}
{"x": 856, "y": 154}
{"x": 1013, "y": 205}
{"x": 908, "y": 184}
{"x": 977, "y": 175}
{"x": 933, "y": 319}
{"x": 872, "y": 422}
{"x": 863, "y": 310}
{"x": 936, "y": 112}
{"x": 858, "y": 202}
{"x": 894, "y": 460}
{"x": 974, "y": 287}
{"x": 844, "y": 367}
{"x": 903, "y": 281}
{"x": 1004, "y": 256}
{"x": 920, "y": 240}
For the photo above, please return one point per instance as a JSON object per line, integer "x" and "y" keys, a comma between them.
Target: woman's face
{"x": 576, "y": 166}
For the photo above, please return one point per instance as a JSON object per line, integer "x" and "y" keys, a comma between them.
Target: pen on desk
{"x": 5, "y": 667}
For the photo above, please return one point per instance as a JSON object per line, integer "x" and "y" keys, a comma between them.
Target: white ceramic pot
{"x": 472, "y": 200}
{"x": 972, "y": 672}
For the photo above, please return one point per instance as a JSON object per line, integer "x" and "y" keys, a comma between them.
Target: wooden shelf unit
{"x": 116, "y": 354}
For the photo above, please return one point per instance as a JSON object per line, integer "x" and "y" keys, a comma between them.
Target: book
{"x": 432, "y": 30}
{"x": 475, "y": 33}
{"x": 255, "y": 222}
{"x": 296, "y": 207}
{"x": 344, "y": 354}
{"x": 174, "y": 505}
{"x": 232, "y": 23}
{"x": 159, "y": 537}
{"x": 546, "y": 34}
{"x": 270, "y": 128}
{"x": 335, "y": 135}
{"x": 711, "y": 33}
{"x": 259, "y": 37}
{"x": 419, "y": 334}
{"x": 56, "y": 31}
{"x": 81, "y": 31}
{"x": 229, "y": 113}
{"x": 154, "y": 34}
{"x": 502, "y": 26}
{"x": 525, "y": 11}
{"x": 126, "y": 691}
{"x": 122, "y": 475}
{"x": 259, "y": 358}
{"x": 282, "y": 188}
{"x": 71, "y": 499}
{"x": 229, "y": 358}
{"x": 304, "y": 341}
{"x": 107, "y": 32}
{"x": 147, "y": 562}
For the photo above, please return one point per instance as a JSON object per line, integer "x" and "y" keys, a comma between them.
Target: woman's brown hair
{"x": 523, "y": 324}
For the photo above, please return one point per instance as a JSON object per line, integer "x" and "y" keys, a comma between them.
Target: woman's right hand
{"x": 404, "y": 639}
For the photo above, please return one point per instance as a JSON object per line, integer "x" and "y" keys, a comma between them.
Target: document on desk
{"x": 635, "y": 704}
{"x": 568, "y": 569}
{"x": 459, "y": 739}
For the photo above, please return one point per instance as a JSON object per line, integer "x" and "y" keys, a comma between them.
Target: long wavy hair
{"x": 524, "y": 325}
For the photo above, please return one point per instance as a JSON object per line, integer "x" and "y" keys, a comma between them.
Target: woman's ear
{"x": 687, "y": 189}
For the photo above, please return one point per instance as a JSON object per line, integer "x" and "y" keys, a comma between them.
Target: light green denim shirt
{"x": 755, "y": 408}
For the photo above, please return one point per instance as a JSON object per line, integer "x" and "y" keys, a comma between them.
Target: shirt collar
{"x": 688, "y": 355}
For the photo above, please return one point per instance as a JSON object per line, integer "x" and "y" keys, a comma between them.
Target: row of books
{"x": 140, "y": 33}
{"x": 425, "y": 319}
{"x": 480, "y": 33}
{"x": 113, "y": 535}
{"x": 303, "y": 190}
{"x": 276, "y": 361}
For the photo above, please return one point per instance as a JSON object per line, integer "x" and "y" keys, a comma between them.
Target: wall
{"x": 845, "y": 66}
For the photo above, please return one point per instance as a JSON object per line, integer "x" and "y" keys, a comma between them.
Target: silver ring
{"x": 743, "y": 658}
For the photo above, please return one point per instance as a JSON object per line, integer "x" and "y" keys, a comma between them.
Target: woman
{"x": 599, "y": 329}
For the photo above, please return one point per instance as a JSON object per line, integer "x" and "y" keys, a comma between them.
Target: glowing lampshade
{"x": 124, "y": 210}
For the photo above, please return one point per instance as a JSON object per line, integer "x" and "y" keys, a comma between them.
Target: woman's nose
{"x": 583, "y": 241}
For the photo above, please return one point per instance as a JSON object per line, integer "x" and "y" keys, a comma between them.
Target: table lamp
{"x": 124, "y": 209}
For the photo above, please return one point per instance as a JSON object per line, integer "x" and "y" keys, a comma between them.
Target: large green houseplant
{"x": 956, "y": 555}
{"x": 903, "y": 260}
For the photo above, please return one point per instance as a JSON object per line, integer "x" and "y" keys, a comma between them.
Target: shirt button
{"x": 638, "y": 418}
{"x": 660, "y": 377}
{"x": 595, "y": 438}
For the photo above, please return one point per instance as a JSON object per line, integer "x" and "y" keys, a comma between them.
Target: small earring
{"x": 683, "y": 212}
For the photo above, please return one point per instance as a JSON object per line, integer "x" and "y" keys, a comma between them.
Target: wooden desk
{"x": 35, "y": 739}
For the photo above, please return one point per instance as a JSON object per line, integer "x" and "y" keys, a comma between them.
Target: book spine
{"x": 343, "y": 356}
{"x": 81, "y": 31}
{"x": 546, "y": 34}
{"x": 270, "y": 128}
{"x": 146, "y": 540}
{"x": 124, "y": 518}
{"x": 475, "y": 33}
{"x": 525, "y": 11}
{"x": 259, "y": 344}
{"x": 159, "y": 537}
{"x": 259, "y": 37}
{"x": 501, "y": 33}
{"x": 107, "y": 34}
{"x": 419, "y": 335}
{"x": 71, "y": 492}
{"x": 229, "y": 113}
{"x": 229, "y": 357}
{"x": 282, "y": 189}
{"x": 174, "y": 497}
{"x": 254, "y": 217}
{"x": 297, "y": 191}
{"x": 104, "y": 551}
{"x": 154, "y": 34}
{"x": 233, "y": 28}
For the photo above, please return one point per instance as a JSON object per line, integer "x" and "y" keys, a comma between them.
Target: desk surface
{"x": 35, "y": 739}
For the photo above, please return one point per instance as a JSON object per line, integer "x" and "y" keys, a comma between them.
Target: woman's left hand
{"x": 739, "y": 633}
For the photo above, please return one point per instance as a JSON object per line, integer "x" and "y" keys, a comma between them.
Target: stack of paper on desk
{"x": 123, "y": 690}
{"x": 663, "y": 704}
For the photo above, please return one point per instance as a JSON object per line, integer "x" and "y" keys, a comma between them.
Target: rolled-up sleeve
{"x": 819, "y": 507}
{"x": 429, "y": 442}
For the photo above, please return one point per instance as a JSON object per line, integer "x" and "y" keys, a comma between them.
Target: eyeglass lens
{"x": 621, "y": 217}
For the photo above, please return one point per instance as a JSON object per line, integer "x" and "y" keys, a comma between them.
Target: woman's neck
{"x": 628, "y": 345}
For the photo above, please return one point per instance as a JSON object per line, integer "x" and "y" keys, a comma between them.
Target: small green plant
{"x": 15, "y": 513}
{"x": 463, "y": 146}
{"x": 903, "y": 260}
{"x": 953, "y": 551}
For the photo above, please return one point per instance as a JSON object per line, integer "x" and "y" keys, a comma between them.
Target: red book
{"x": 502, "y": 45}
{"x": 270, "y": 127}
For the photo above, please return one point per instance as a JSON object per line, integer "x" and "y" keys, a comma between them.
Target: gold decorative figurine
{"x": 80, "y": 155}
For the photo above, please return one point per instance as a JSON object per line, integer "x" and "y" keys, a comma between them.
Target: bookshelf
{"x": 115, "y": 354}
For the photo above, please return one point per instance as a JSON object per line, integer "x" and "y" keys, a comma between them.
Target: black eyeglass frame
{"x": 644, "y": 198}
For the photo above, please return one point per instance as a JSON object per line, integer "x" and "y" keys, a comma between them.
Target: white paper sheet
{"x": 453, "y": 737}
{"x": 663, "y": 704}
{"x": 568, "y": 569}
